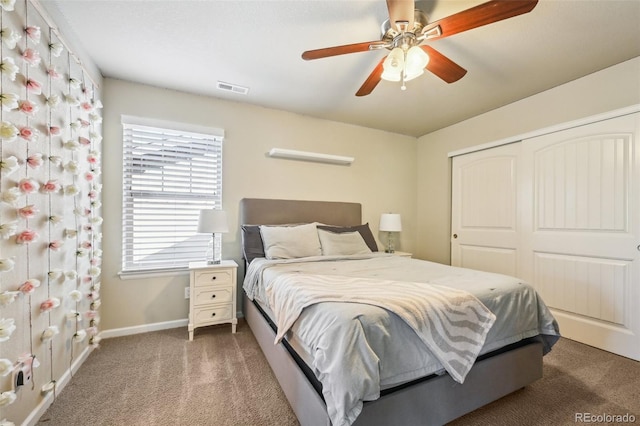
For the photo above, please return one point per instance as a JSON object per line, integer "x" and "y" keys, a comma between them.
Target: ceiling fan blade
{"x": 338, "y": 50}
{"x": 372, "y": 81}
{"x": 483, "y": 14}
{"x": 401, "y": 10}
{"x": 442, "y": 66}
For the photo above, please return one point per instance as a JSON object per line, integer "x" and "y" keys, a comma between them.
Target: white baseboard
{"x": 46, "y": 402}
{"x": 145, "y": 328}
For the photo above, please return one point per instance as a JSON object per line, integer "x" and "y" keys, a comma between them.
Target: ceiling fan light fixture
{"x": 417, "y": 60}
{"x": 393, "y": 65}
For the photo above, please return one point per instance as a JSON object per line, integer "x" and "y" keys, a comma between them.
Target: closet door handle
{"x": 455, "y": 236}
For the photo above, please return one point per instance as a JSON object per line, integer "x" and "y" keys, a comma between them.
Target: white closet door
{"x": 484, "y": 210}
{"x": 581, "y": 242}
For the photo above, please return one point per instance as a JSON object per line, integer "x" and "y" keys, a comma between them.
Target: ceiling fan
{"x": 408, "y": 27}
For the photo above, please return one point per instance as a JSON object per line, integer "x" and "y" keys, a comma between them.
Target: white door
{"x": 484, "y": 222}
{"x": 580, "y": 243}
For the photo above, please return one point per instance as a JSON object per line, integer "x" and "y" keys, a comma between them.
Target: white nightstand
{"x": 212, "y": 294}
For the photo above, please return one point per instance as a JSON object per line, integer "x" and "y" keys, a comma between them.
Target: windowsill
{"x": 137, "y": 275}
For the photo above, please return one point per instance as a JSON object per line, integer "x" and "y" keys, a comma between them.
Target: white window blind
{"x": 169, "y": 176}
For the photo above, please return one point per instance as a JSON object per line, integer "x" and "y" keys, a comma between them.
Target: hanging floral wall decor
{"x": 50, "y": 137}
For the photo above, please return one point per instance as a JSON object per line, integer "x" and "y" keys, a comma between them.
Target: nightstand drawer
{"x": 212, "y": 314}
{"x": 211, "y": 277}
{"x": 209, "y": 295}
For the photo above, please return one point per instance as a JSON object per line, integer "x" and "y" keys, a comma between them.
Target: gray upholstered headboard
{"x": 261, "y": 211}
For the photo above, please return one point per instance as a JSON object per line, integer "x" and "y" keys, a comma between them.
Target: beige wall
{"x": 382, "y": 178}
{"x": 607, "y": 90}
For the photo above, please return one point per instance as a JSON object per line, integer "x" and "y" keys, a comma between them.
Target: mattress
{"x": 391, "y": 351}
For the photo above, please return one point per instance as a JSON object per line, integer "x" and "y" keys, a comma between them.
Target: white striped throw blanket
{"x": 452, "y": 323}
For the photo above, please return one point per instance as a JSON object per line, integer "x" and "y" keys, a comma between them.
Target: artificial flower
{"x": 8, "y": 397}
{"x": 31, "y": 56}
{"x": 7, "y": 5}
{"x": 29, "y": 286}
{"x": 56, "y": 245}
{"x": 74, "y": 316}
{"x": 95, "y": 137}
{"x": 10, "y": 196}
{"x": 87, "y": 280}
{"x": 27, "y": 186}
{"x": 97, "y": 104}
{"x": 71, "y": 145}
{"x": 49, "y": 333}
{"x": 72, "y": 167}
{"x": 56, "y": 49}
{"x": 34, "y": 86}
{"x": 9, "y": 165}
{"x": 9, "y": 37}
{"x": 34, "y": 160}
{"x": 96, "y": 286}
{"x": 55, "y": 159}
{"x": 33, "y": 32}
{"x": 28, "y": 211}
{"x": 94, "y": 341}
{"x": 74, "y": 125}
{"x": 79, "y": 336}
{"x": 8, "y": 229}
{"x": 88, "y": 228}
{"x": 49, "y": 304}
{"x": 86, "y": 244}
{"x": 54, "y": 130}
{"x": 89, "y": 176}
{"x": 55, "y": 274}
{"x": 81, "y": 252}
{"x": 79, "y": 211}
{"x": 93, "y": 315}
{"x": 93, "y": 157}
{"x": 85, "y": 124}
{"x": 95, "y": 305}
{"x": 95, "y": 261}
{"x": 51, "y": 186}
{"x": 95, "y": 117}
{"x": 93, "y": 295}
{"x": 96, "y": 220}
{"x": 96, "y": 170}
{"x": 6, "y": 265}
{"x": 6, "y": 367}
{"x": 74, "y": 82}
{"x": 27, "y": 236}
{"x": 91, "y": 331}
{"x": 7, "y": 327}
{"x": 71, "y": 274}
{"x": 92, "y": 194}
{"x": 75, "y": 295}
{"x": 96, "y": 204}
{"x": 28, "y": 133}
{"x": 84, "y": 141}
{"x": 48, "y": 387}
{"x": 27, "y": 107}
{"x": 9, "y": 101}
{"x": 97, "y": 236}
{"x": 54, "y": 219}
{"x": 97, "y": 253}
{"x": 71, "y": 100}
{"x": 70, "y": 233}
{"x": 71, "y": 190}
{"x": 8, "y": 297}
{"x": 53, "y": 100}
{"x": 94, "y": 271}
{"x": 8, "y": 132}
{"x": 86, "y": 106}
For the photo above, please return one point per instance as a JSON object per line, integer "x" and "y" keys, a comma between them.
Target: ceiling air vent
{"x": 232, "y": 88}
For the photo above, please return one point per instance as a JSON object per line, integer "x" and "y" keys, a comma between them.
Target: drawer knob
{"x": 214, "y": 277}
{"x": 213, "y": 314}
{"x": 213, "y": 296}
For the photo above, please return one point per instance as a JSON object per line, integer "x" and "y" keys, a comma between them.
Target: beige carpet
{"x": 161, "y": 378}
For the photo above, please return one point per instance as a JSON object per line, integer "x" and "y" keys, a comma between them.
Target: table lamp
{"x": 213, "y": 222}
{"x": 390, "y": 222}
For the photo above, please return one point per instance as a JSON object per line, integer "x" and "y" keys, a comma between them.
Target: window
{"x": 170, "y": 173}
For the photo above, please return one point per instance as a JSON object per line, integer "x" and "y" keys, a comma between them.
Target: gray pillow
{"x": 342, "y": 243}
{"x": 363, "y": 229}
{"x": 290, "y": 242}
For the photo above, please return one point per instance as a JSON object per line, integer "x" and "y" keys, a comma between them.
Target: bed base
{"x": 435, "y": 401}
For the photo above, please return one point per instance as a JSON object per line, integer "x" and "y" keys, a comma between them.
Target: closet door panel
{"x": 580, "y": 241}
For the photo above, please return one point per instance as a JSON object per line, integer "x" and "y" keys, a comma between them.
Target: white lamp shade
{"x": 212, "y": 221}
{"x": 417, "y": 59}
{"x": 390, "y": 222}
{"x": 393, "y": 65}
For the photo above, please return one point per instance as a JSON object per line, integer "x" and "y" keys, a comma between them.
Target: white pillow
{"x": 343, "y": 243}
{"x": 288, "y": 242}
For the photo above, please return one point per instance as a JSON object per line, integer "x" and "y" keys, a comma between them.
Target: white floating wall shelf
{"x": 310, "y": 156}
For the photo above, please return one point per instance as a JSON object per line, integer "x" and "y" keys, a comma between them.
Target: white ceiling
{"x": 190, "y": 45}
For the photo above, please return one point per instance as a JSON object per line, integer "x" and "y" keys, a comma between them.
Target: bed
{"x": 437, "y": 392}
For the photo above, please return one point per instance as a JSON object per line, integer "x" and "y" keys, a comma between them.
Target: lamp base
{"x": 213, "y": 262}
